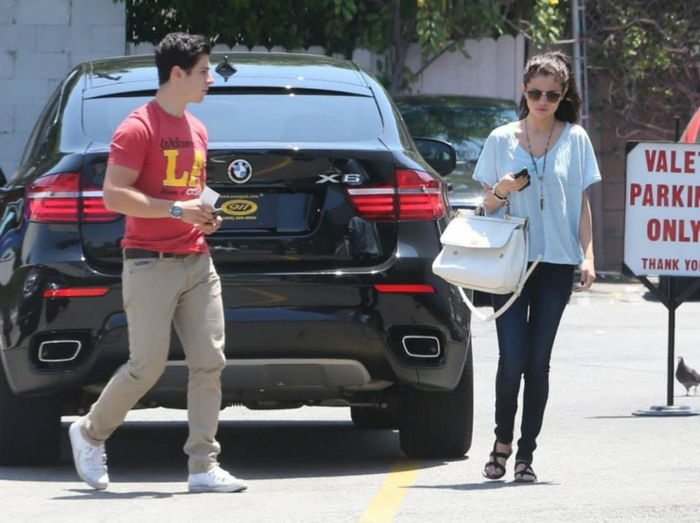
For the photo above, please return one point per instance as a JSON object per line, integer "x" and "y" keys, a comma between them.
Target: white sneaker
{"x": 90, "y": 460}
{"x": 215, "y": 479}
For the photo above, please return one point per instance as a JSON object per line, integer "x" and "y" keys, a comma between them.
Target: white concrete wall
{"x": 40, "y": 41}
{"x": 494, "y": 67}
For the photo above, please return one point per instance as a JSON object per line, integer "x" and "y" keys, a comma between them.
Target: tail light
{"x": 404, "y": 288}
{"x": 420, "y": 196}
{"x": 417, "y": 196}
{"x": 79, "y": 292}
{"x": 59, "y": 198}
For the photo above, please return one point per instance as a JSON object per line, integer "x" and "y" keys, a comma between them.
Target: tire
{"x": 369, "y": 418}
{"x": 439, "y": 424}
{"x": 30, "y": 428}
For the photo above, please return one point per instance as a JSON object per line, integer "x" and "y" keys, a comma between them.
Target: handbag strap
{"x": 495, "y": 314}
{"x": 524, "y": 275}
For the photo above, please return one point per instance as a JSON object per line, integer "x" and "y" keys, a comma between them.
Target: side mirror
{"x": 3, "y": 179}
{"x": 440, "y": 155}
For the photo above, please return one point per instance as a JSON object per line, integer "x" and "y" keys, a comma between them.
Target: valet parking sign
{"x": 662, "y": 209}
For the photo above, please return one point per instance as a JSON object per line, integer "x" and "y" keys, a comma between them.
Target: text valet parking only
{"x": 662, "y": 222}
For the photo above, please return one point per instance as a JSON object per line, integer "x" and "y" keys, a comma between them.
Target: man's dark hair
{"x": 181, "y": 49}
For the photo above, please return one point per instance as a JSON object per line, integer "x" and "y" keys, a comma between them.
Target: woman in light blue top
{"x": 561, "y": 165}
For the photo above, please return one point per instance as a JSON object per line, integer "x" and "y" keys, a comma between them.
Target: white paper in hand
{"x": 209, "y": 196}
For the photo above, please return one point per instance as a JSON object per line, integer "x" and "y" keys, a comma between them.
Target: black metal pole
{"x": 678, "y": 127}
{"x": 672, "y": 315}
{"x": 671, "y": 337}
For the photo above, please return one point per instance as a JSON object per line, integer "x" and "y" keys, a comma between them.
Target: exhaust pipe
{"x": 417, "y": 346}
{"x": 59, "y": 351}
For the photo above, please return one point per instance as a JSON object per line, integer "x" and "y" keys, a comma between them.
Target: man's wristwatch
{"x": 176, "y": 210}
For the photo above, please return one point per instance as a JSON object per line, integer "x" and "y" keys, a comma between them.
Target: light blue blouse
{"x": 571, "y": 168}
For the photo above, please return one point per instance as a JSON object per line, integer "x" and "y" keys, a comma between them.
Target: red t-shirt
{"x": 170, "y": 154}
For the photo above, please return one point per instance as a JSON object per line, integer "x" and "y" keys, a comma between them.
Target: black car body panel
{"x": 327, "y": 299}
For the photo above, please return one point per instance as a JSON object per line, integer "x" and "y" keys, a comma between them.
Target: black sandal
{"x": 526, "y": 474}
{"x": 500, "y": 469}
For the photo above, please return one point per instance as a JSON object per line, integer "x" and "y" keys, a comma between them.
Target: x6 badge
{"x": 349, "y": 178}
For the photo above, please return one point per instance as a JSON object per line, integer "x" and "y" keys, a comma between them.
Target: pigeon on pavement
{"x": 688, "y": 377}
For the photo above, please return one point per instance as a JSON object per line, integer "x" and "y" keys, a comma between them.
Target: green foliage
{"x": 441, "y": 23}
{"x": 549, "y": 22}
{"x": 302, "y": 23}
{"x": 644, "y": 51}
{"x": 339, "y": 26}
{"x": 293, "y": 24}
{"x": 644, "y": 57}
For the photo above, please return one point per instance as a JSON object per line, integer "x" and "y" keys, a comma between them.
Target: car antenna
{"x": 225, "y": 69}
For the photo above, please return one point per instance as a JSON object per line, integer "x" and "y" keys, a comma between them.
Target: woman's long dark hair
{"x": 557, "y": 64}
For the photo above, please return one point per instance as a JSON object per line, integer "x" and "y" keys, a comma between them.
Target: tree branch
{"x": 435, "y": 57}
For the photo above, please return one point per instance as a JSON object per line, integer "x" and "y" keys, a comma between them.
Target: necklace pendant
{"x": 541, "y": 202}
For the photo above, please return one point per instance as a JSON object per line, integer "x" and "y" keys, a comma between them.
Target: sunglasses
{"x": 534, "y": 95}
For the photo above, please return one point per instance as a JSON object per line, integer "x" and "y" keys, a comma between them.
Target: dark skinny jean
{"x": 526, "y": 335}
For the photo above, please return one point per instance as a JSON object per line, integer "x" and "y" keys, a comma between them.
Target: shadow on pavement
{"x": 630, "y": 416}
{"x": 487, "y": 485}
{"x": 152, "y": 452}
{"x": 88, "y": 493}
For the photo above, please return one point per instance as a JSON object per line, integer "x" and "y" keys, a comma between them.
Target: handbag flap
{"x": 481, "y": 232}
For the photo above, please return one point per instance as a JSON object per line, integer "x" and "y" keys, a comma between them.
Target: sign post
{"x": 662, "y": 232}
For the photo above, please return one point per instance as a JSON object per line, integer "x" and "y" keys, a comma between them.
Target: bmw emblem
{"x": 240, "y": 171}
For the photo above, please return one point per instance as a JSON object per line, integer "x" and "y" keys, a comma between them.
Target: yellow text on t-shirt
{"x": 187, "y": 178}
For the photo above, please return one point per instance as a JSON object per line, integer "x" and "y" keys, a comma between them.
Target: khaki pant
{"x": 157, "y": 293}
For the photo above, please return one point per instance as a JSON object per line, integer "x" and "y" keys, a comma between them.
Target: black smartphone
{"x": 522, "y": 173}
{"x": 214, "y": 214}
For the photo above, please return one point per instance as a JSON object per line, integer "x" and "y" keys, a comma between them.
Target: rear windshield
{"x": 256, "y": 117}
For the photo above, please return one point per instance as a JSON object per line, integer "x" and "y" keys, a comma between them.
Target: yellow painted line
{"x": 396, "y": 486}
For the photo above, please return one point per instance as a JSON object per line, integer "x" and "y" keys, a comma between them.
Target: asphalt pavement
{"x": 596, "y": 460}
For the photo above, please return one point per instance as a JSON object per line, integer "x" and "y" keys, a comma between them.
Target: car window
{"x": 41, "y": 128}
{"x": 465, "y": 127}
{"x": 256, "y": 117}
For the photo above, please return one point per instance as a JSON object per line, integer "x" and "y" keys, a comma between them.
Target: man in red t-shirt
{"x": 155, "y": 176}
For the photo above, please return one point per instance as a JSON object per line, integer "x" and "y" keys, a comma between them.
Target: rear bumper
{"x": 257, "y": 381}
{"x": 322, "y": 367}
{"x": 325, "y": 318}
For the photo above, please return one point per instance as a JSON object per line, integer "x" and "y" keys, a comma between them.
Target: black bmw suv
{"x": 331, "y": 221}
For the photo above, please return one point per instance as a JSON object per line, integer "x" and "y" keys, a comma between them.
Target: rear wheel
{"x": 30, "y": 428}
{"x": 372, "y": 418}
{"x": 439, "y": 424}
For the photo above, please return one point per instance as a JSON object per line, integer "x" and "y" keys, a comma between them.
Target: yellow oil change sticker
{"x": 240, "y": 208}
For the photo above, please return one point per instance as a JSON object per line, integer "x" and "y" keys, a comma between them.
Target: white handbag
{"x": 486, "y": 254}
